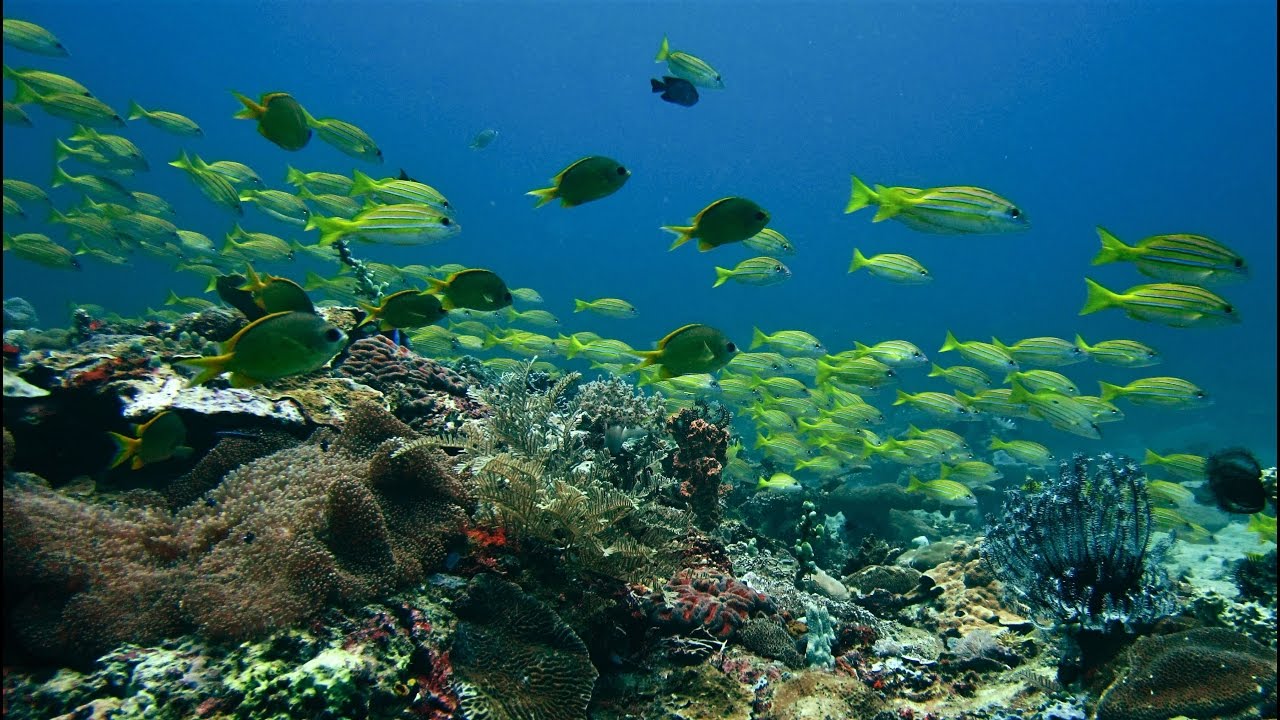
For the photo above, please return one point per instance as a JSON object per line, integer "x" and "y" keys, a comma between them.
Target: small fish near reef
{"x": 158, "y": 439}
{"x": 690, "y": 350}
{"x": 677, "y": 91}
{"x": 281, "y": 119}
{"x": 590, "y": 178}
{"x": 474, "y": 288}
{"x": 272, "y": 347}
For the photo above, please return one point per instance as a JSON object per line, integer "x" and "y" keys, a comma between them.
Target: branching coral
{"x": 1081, "y": 549}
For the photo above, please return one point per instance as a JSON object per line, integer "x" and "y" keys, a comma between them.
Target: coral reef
{"x": 767, "y": 638}
{"x": 514, "y": 658}
{"x": 19, "y": 314}
{"x": 426, "y": 395}
{"x": 705, "y": 599}
{"x": 821, "y": 636}
{"x": 698, "y": 460}
{"x": 1081, "y": 549}
{"x": 1202, "y": 673}
{"x": 277, "y": 542}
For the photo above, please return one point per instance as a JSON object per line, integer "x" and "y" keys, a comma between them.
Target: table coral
{"x": 1202, "y": 673}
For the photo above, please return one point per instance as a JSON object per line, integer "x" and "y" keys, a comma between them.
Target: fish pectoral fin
{"x": 240, "y": 380}
{"x": 137, "y": 463}
{"x": 886, "y": 211}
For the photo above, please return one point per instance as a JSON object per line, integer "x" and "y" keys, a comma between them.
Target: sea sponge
{"x": 515, "y": 659}
{"x": 1202, "y": 673}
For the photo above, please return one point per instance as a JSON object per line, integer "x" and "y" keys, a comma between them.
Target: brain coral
{"x": 515, "y": 659}
{"x": 1203, "y": 673}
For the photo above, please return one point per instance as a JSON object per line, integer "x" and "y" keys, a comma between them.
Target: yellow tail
{"x": 683, "y": 235}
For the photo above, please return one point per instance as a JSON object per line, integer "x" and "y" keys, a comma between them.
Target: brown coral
{"x": 698, "y": 462}
{"x": 515, "y": 659}
{"x": 1202, "y": 673}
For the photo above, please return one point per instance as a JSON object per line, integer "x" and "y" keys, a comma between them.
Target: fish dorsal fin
{"x": 662, "y": 344}
{"x": 230, "y": 345}
{"x": 698, "y": 218}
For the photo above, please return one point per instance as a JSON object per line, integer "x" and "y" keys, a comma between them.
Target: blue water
{"x": 1145, "y": 117}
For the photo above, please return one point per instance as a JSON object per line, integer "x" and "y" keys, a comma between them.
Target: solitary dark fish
{"x": 675, "y": 90}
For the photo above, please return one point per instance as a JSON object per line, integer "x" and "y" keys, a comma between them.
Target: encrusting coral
{"x": 331, "y": 521}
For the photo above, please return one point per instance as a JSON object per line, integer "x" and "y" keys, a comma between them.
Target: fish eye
{"x": 889, "y": 373}
{"x": 506, "y": 296}
{"x": 761, "y": 216}
{"x": 333, "y": 334}
{"x": 622, "y": 170}
{"x": 445, "y": 221}
{"x": 1200, "y": 394}
{"x": 1228, "y": 309}
{"x": 777, "y": 268}
{"x": 731, "y": 347}
{"x": 1015, "y": 213}
{"x": 924, "y": 273}
{"x": 1238, "y": 263}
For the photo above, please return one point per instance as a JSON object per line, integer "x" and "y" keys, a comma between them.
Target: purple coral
{"x": 707, "y": 599}
{"x": 426, "y": 395}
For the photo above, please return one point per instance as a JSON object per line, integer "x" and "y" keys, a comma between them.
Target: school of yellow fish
{"x": 806, "y": 401}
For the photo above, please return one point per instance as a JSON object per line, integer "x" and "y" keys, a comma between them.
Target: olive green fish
{"x": 272, "y": 347}
{"x": 407, "y": 310}
{"x": 727, "y": 220}
{"x": 690, "y": 350}
{"x": 1177, "y": 258}
{"x": 276, "y": 294}
{"x": 156, "y": 440}
{"x": 591, "y": 178}
{"x": 473, "y": 288}
{"x": 943, "y": 210}
{"x": 281, "y": 119}
{"x": 1166, "y": 303}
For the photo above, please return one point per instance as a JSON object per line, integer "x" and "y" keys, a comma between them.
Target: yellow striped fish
{"x": 1163, "y": 391}
{"x": 950, "y": 210}
{"x": 1166, "y": 303}
{"x": 689, "y": 67}
{"x": 1178, "y": 258}
{"x": 898, "y": 268}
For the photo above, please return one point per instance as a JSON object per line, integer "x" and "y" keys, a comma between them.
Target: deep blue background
{"x": 1145, "y": 117}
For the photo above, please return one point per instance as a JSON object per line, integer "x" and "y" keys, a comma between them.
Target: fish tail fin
{"x": 1113, "y": 249}
{"x": 823, "y": 375}
{"x": 579, "y": 305}
{"x": 183, "y": 162}
{"x": 60, "y": 176}
{"x": 126, "y": 447}
{"x": 251, "y": 111}
{"x": 1097, "y": 298}
{"x": 758, "y": 338}
{"x": 859, "y": 260}
{"x": 1109, "y": 392}
{"x": 914, "y": 484}
{"x": 966, "y": 399}
{"x": 294, "y": 176}
{"x": 60, "y": 151}
{"x": 886, "y": 211}
{"x": 361, "y": 184}
{"x": 313, "y": 281}
{"x": 950, "y": 343}
{"x": 544, "y": 195}
{"x": 9, "y": 72}
{"x": 656, "y": 85}
{"x": 664, "y": 51}
{"x": 136, "y": 111}
{"x": 573, "y": 346}
{"x": 1150, "y": 458}
{"x": 210, "y": 367}
{"x": 1018, "y": 393}
{"x": 722, "y": 275}
{"x": 937, "y": 371}
{"x": 172, "y": 299}
{"x": 331, "y": 228}
{"x": 860, "y": 196}
{"x": 995, "y": 443}
{"x": 996, "y": 341}
{"x": 490, "y": 340}
{"x": 213, "y": 284}
{"x": 24, "y": 93}
{"x": 683, "y": 234}
{"x": 1080, "y": 343}
{"x": 903, "y": 398}
{"x": 647, "y": 358}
